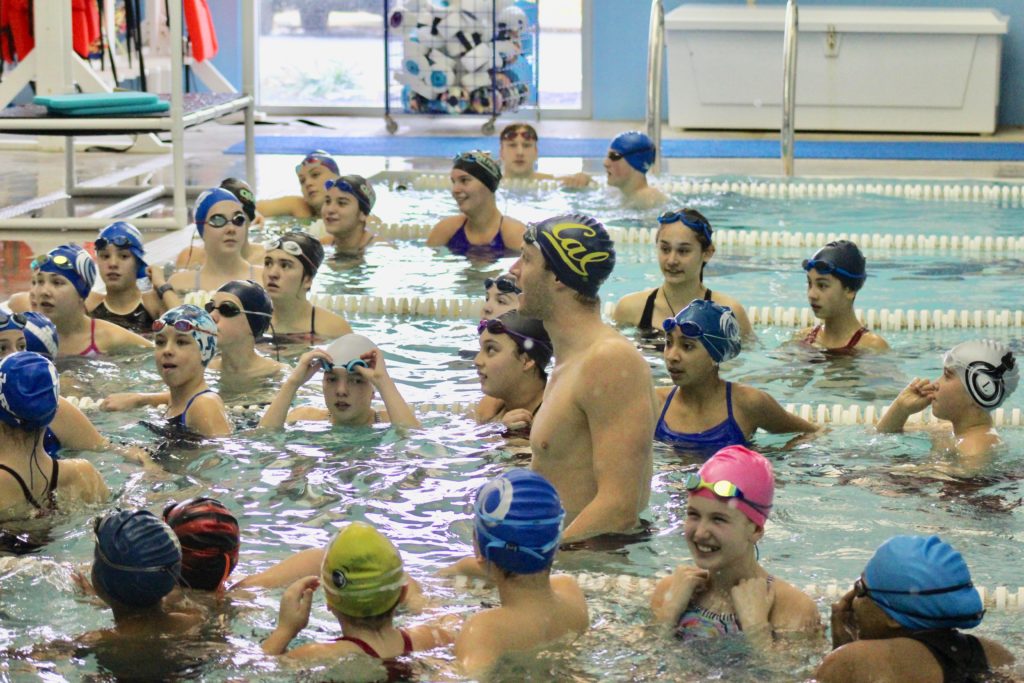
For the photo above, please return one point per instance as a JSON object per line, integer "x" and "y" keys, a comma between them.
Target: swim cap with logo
{"x": 28, "y": 390}
{"x": 357, "y": 186}
{"x": 713, "y": 325}
{"x": 636, "y": 148}
{"x": 203, "y": 329}
{"x": 577, "y": 248}
{"x": 207, "y": 200}
{"x": 923, "y": 583}
{"x": 243, "y": 193}
{"x": 362, "y": 572}
{"x": 71, "y": 261}
{"x": 256, "y": 304}
{"x": 987, "y": 369}
{"x": 40, "y": 335}
{"x": 209, "y": 538}
{"x": 137, "y": 557}
{"x": 843, "y": 259}
{"x": 481, "y": 166}
{"x": 750, "y": 472}
{"x": 518, "y": 521}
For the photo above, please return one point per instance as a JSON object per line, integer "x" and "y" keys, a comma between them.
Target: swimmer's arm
{"x": 487, "y": 409}
{"x": 914, "y": 398}
{"x": 169, "y": 299}
{"x": 130, "y": 400}
{"x": 331, "y": 325}
{"x": 619, "y": 409}
{"x": 293, "y": 615}
{"x": 628, "y": 309}
{"x": 873, "y": 342}
{"x": 74, "y": 430}
{"x": 512, "y": 232}
{"x": 746, "y": 327}
{"x": 151, "y": 302}
{"x": 861, "y": 660}
{"x": 576, "y": 181}
{"x": 82, "y": 480}
{"x": 19, "y": 303}
{"x": 118, "y": 338}
{"x": 287, "y": 571}
{"x": 480, "y": 643}
{"x": 284, "y": 206}
{"x": 767, "y": 414}
{"x": 443, "y": 231}
{"x": 399, "y": 412}
{"x": 207, "y": 416}
{"x": 277, "y": 411}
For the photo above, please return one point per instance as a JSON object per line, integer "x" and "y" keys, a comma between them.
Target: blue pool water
{"x": 839, "y": 496}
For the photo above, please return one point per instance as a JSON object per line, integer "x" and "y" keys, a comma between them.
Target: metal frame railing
{"x": 789, "y": 86}
{"x": 655, "y": 66}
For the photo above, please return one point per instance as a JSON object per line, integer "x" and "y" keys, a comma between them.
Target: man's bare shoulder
{"x": 610, "y": 346}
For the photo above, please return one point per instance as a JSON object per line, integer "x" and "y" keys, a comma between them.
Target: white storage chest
{"x": 858, "y": 68}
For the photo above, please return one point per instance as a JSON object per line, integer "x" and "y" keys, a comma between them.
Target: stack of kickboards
{"x": 124, "y": 103}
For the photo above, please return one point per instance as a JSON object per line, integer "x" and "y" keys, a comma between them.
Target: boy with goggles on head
{"x": 835, "y": 274}
{"x": 726, "y": 591}
{"x": 129, "y": 300}
{"x": 630, "y": 156}
{"x": 977, "y": 377}
{"x": 313, "y": 171}
{"x": 518, "y": 153}
{"x": 353, "y": 367}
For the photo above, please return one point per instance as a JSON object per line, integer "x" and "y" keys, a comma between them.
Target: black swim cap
{"x": 241, "y": 189}
{"x": 255, "y": 301}
{"x": 481, "y": 166}
{"x": 530, "y": 337}
{"x": 843, "y": 259}
{"x": 302, "y": 246}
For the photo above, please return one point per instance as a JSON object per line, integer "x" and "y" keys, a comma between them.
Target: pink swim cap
{"x": 750, "y": 472}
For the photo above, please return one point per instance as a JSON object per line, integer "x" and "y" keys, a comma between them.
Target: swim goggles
{"x": 362, "y": 194}
{"x": 498, "y": 327}
{"x": 230, "y": 310}
{"x": 694, "y": 223}
{"x": 614, "y": 156}
{"x": 828, "y": 268}
{"x": 100, "y": 521}
{"x": 721, "y": 488}
{"x": 689, "y": 328}
{"x": 514, "y": 133}
{"x": 18, "y": 319}
{"x": 119, "y": 241}
{"x": 861, "y": 590}
{"x": 181, "y": 325}
{"x": 60, "y": 260}
{"x": 505, "y": 285}
{"x": 349, "y": 367}
{"x": 290, "y": 246}
{"x": 219, "y": 220}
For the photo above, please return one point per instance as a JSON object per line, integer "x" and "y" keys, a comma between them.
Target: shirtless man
{"x": 591, "y": 437}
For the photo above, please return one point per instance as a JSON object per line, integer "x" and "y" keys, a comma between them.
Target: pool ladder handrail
{"x": 655, "y": 67}
{"x": 789, "y": 41}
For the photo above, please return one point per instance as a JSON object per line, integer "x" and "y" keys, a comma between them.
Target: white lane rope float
{"x": 641, "y": 588}
{"x": 461, "y": 308}
{"x": 991, "y": 193}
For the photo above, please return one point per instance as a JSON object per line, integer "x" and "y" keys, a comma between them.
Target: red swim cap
{"x": 209, "y": 538}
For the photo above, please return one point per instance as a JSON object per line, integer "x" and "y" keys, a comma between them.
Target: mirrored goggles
{"x": 287, "y": 246}
{"x": 498, "y": 327}
{"x": 60, "y": 260}
{"x": 722, "y": 489}
{"x": 181, "y": 325}
{"x": 505, "y": 285}
{"x": 692, "y": 222}
{"x": 827, "y": 268}
{"x": 219, "y": 220}
{"x": 17, "y": 318}
{"x": 348, "y": 367}
{"x": 119, "y": 241}
{"x": 229, "y": 310}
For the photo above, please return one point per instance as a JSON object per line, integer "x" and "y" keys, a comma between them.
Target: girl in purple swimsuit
{"x": 703, "y": 413}
{"x": 479, "y": 229}
{"x": 726, "y": 591}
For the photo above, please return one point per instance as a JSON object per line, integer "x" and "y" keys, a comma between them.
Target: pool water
{"x": 838, "y": 495}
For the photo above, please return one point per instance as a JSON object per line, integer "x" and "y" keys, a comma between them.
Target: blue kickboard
{"x": 154, "y": 107}
{"x": 104, "y": 100}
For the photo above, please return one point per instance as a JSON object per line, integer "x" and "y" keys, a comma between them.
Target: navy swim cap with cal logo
{"x": 578, "y": 249}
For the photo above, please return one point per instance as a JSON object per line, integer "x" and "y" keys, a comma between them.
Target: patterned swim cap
{"x": 195, "y": 321}
{"x": 518, "y": 521}
{"x": 714, "y": 325}
{"x": 72, "y": 262}
{"x": 481, "y": 166}
{"x": 209, "y": 538}
{"x": 28, "y": 390}
{"x": 987, "y": 369}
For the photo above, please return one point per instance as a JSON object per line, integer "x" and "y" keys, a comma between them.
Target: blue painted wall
{"x": 619, "y": 59}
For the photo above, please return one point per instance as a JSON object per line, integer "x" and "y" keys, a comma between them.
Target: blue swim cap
{"x": 207, "y": 200}
{"x": 518, "y": 521}
{"x": 714, "y": 325}
{"x": 923, "y": 583}
{"x": 843, "y": 259}
{"x": 195, "y": 321}
{"x": 137, "y": 559}
{"x": 255, "y": 302}
{"x": 637, "y": 149}
{"x": 71, "y": 261}
{"x": 10, "y": 320}
{"x": 578, "y": 249}
{"x": 41, "y": 335}
{"x": 28, "y": 390}
{"x": 122, "y": 235}
{"x": 319, "y": 158}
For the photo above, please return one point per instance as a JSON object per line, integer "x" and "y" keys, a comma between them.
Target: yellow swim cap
{"x": 362, "y": 572}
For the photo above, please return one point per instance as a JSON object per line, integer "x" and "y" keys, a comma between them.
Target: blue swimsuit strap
{"x": 188, "y": 405}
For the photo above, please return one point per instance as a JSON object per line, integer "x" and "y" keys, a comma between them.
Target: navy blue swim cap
{"x": 712, "y": 324}
{"x": 207, "y": 200}
{"x": 73, "y": 263}
{"x": 578, "y": 249}
{"x": 28, "y": 390}
{"x": 40, "y": 335}
{"x": 518, "y": 521}
{"x": 923, "y": 583}
{"x": 243, "y": 193}
{"x": 255, "y": 302}
{"x": 636, "y": 148}
{"x": 357, "y": 186}
{"x": 137, "y": 559}
{"x": 529, "y": 336}
{"x": 843, "y": 259}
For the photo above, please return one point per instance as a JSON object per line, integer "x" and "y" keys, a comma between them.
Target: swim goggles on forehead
{"x": 219, "y": 220}
{"x": 120, "y": 241}
{"x": 17, "y": 318}
{"x": 689, "y": 328}
{"x": 505, "y": 285}
{"x": 59, "y": 260}
{"x": 97, "y": 523}
{"x": 181, "y": 325}
{"x": 514, "y": 133}
{"x": 230, "y": 310}
{"x": 828, "y": 268}
{"x": 498, "y": 327}
{"x": 692, "y": 222}
{"x": 348, "y": 367}
{"x": 722, "y": 489}
{"x": 340, "y": 184}
{"x": 861, "y": 590}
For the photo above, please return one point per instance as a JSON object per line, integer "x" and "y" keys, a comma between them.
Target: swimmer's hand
{"x": 673, "y": 593}
{"x": 309, "y": 364}
{"x": 82, "y": 583}
{"x": 517, "y": 418}
{"x": 126, "y": 401}
{"x": 576, "y": 181}
{"x": 467, "y": 566}
{"x": 156, "y": 275}
{"x": 752, "y": 599}
{"x": 844, "y": 625}
{"x": 914, "y": 398}
{"x": 377, "y": 373}
{"x": 294, "y": 614}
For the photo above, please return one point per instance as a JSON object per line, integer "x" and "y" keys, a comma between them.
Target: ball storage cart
{"x": 459, "y": 57}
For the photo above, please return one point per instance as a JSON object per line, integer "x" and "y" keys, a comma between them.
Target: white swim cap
{"x": 987, "y": 369}
{"x": 344, "y": 350}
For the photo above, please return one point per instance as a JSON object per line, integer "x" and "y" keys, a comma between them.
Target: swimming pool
{"x": 839, "y": 496}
